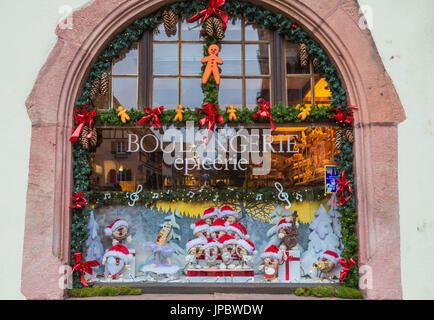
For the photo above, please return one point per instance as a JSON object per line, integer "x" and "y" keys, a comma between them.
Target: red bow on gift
{"x": 83, "y": 118}
{"x": 344, "y": 115}
{"x": 265, "y": 112}
{"x": 83, "y": 267}
{"x": 152, "y": 117}
{"x": 211, "y": 111}
{"x": 343, "y": 185}
{"x": 346, "y": 267}
{"x": 213, "y": 8}
{"x": 79, "y": 200}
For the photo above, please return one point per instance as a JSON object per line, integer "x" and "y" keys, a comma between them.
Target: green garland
{"x": 267, "y": 20}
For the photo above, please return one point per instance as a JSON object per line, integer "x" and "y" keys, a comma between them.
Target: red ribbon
{"x": 79, "y": 200}
{"x": 265, "y": 112}
{"x": 343, "y": 185}
{"x": 344, "y": 116}
{"x": 152, "y": 117}
{"x": 83, "y": 267}
{"x": 211, "y": 111}
{"x": 287, "y": 261}
{"x": 346, "y": 267}
{"x": 83, "y": 118}
{"x": 213, "y": 8}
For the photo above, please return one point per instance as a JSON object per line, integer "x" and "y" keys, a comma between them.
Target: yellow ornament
{"x": 179, "y": 114}
{"x": 232, "y": 113}
{"x": 305, "y": 112}
{"x": 123, "y": 114}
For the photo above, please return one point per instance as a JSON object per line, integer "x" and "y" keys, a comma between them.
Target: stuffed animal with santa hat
{"x": 194, "y": 247}
{"x": 117, "y": 259}
{"x": 217, "y": 229}
{"x": 118, "y": 231}
{"x": 200, "y": 229}
{"x": 227, "y": 249}
{"x": 287, "y": 232}
{"x": 210, "y": 215}
{"x": 211, "y": 251}
{"x": 270, "y": 262}
{"x": 228, "y": 214}
{"x": 245, "y": 250}
{"x": 326, "y": 265}
{"x": 237, "y": 230}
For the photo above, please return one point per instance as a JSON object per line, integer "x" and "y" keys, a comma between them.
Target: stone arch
{"x": 333, "y": 24}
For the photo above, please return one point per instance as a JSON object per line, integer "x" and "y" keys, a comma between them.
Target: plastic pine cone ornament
{"x": 350, "y": 135}
{"x": 303, "y": 55}
{"x": 170, "y": 20}
{"x": 338, "y": 138}
{"x": 94, "y": 90}
{"x": 104, "y": 83}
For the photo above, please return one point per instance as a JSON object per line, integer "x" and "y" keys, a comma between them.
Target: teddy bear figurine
{"x": 245, "y": 249}
{"x": 227, "y": 249}
{"x": 211, "y": 251}
{"x": 271, "y": 259}
{"x": 118, "y": 231}
{"x": 194, "y": 248}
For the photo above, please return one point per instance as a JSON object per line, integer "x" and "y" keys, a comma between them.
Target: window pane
{"x": 125, "y": 92}
{"x": 292, "y": 60}
{"x": 257, "y": 59}
{"x": 256, "y": 33}
{"x": 166, "y": 93}
{"x": 127, "y": 63}
{"x": 165, "y": 58}
{"x": 298, "y": 90}
{"x": 322, "y": 92}
{"x": 191, "y": 93}
{"x": 233, "y": 31}
{"x": 189, "y": 33}
{"x": 191, "y": 57}
{"x": 160, "y": 34}
{"x": 231, "y": 92}
{"x": 231, "y": 55}
{"x": 255, "y": 89}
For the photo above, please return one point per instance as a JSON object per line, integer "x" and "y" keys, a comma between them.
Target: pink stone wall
{"x": 334, "y": 24}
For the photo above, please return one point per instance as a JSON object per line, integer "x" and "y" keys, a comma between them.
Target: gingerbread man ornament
{"x": 212, "y": 61}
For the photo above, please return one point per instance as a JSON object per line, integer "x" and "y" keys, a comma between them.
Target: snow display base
{"x": 289, "y": 270}
{"x": 160, "y": 273}
{"x": 219, "y": 275}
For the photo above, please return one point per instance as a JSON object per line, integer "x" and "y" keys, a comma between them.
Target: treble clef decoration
{"x": 135, "y": 196}
{"x": 282, "y": 196}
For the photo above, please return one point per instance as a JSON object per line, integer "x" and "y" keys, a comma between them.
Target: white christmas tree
{"x": 321, "y": 238}
{"x": 173, "y": 237}
{"x": 95, "y": 249}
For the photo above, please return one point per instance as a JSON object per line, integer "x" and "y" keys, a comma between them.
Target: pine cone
{"x": 315, "y": 62}
{"x": 94, "y": 90}
{"x": 170, "y": 20}
{"x": 209, "y": 27}
{"x": 303, "y": 55}
{"x": 104, "y": 83}
{"x": 220, "y": 33}
{"x": 338, "y": 138}
{"x": 83, "y": 140}
{"x": 94, "y": 139}
{"x": 350, "y": 135}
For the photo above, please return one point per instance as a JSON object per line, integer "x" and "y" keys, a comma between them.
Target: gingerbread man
{"x": 212, "y": 61}
{"x": 232, "y": 113}
{"x": 123, "y": 114}
{"x": 179, "y": 113}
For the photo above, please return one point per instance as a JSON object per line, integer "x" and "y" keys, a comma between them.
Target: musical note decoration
{"x": 107, "y": 196}
{"x": 282, "y": 196}
{"x": 259, "y": 197}
{"x": 299, "y": 197}
{"x": 135, "y": 196}
{"x": 155, "y": 196}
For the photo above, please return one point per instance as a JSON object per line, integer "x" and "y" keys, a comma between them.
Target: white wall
{"x": 402, "y": 29}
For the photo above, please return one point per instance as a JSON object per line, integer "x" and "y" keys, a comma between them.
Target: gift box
{"x": 289, "y": 270}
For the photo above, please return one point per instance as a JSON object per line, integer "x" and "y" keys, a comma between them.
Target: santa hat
{"x": 272, "y": 252}
{"x": 211, "y": 243}
{"x": 116, "y": 224}
{"x": 330, "y": 255}
{"x": 284, "y": 223}
{"x": 195, "y": 242}
{"x": 238, "y": 228}
{"x": 218, "y": 225}
{"x": 226, "y": 240}
{"x": 228, "y": 211}
{"x": 199, "y": 226}
{"x": 248, "y": 245}
{"x": 121, "y": 252}
{"x": 210, "y": 212}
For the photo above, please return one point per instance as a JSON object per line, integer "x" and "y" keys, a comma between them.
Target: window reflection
{"x": 257, "y": 59}
{"x": 298, "y": 90}
{"x": 256, "y": 33}
{"x": 231, "y": 92}
{"x": 127, "y": 64}
{"x": 292, "y": 60}
{"x": 165, "y": 92}
{"x": 255, "y": 89}
{"x": 191, "y": 57}
{"x": 160, "y": 34}
{"x": 191, "y": 97}
{"x": 125, "y": 92}
{"x": 231, "y": 55}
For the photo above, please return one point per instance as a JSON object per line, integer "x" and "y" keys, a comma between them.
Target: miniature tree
{"x": 95, "y": 249}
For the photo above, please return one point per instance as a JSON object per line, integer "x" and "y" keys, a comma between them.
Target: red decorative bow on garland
{"x": 343, "y": 115}
{"x": 343, "y": 185}
{"x": 211, "y": 111}
{"x": 213, "y": 8}
{"x": 265, "y": 112}
{"x": 152, "y": 118}
{"x": 83, "y": 118}
{"x": 83, "y": 267}
{"x": 79, "y": 200}
{"x": 346, "y": 267}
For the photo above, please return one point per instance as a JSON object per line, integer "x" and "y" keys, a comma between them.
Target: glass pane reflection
{"x": 191, "y": 58}
{"x": 298, "y": 90}
{"x": 255, "y": 89}
{"x": 231, "y": 92}
{"x": 257, "y": 59}
{"x": 292, "y": 60}
{"x": 165, "y": 93}
{"x": 165, "y": 58}
{"x": 256, "y": 33}
{"x": 125, "y": 92}
{"x": 191, "y": 93}
{"x": 160, "y": 34}
{"x": 231, "y": 55}
{"x": 127, "y": 63}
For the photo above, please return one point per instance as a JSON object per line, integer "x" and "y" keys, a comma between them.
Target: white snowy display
{"x": 95, "y": 249}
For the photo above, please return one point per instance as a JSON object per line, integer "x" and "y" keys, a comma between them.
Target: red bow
{"x": 343, "y": 185}
{"x": 211, "y": 111}
{"x": 343, "y": 115}
{"x": 346, "y": 267}
{"x": 213, "y": 8}
{"x": 265, "y": 112}
{"x": 152, "y": 118}
{"x": 83, "y": 118}
{"x": 79, "y": 200}
{"x": 83, "y": 267}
